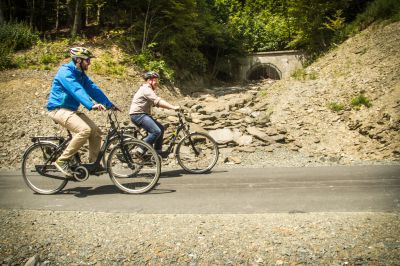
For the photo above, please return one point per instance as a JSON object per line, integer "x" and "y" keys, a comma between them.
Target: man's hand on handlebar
{"x": 99, "y": 107}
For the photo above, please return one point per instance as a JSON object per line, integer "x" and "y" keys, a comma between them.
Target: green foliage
{"x": 302, "y": 74}
{"x": 17, "y": 36}
{"x": 257, "y": 27}
{"x": 6, "y": 57}
{"x": 14, "y": 36}
{"x": 148, "y": 62}
{"x": 336, "y": 107}
{"x": 375, "y": 11}
{"x": 45, "y": 55}
{"x": 360, "y": 100}
{"x": 107, "y": 64}
{"x": 336, "y": 22}
{"x": 315, "y": 24}
{"x": 189, "y": 36}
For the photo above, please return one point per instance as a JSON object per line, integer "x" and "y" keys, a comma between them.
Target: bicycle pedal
{"x": 100, "y": 172}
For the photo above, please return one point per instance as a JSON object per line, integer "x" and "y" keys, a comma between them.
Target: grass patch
{"x": 45, "y": 55}
{"x": 107, "y": 64}
{"x": 302, "y": 74}
{"x": 361, "y": 100}
{"x": 336, "y": 107}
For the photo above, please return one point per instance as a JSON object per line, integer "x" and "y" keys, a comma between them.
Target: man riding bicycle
{"x": 140, "y": 111}
{"x": 72, "y": 87}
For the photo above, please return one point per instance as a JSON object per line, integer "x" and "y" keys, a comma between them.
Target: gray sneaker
{"x": 63, "y": 167}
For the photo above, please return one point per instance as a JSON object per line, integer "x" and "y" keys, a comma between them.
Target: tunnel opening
{"x": 264, "y": 71}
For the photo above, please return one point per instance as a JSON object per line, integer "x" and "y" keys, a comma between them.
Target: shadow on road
{"x": 83, "y": 192}
{"x": 181, "y": 172}
{"x": 172, "y": 173}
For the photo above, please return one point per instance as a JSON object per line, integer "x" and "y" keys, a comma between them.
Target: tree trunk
{"x": 11, "y": 9}
{"x": 77, "y": 19}
{"x": 57, "y": 14}
{"x": 31, "y": 13}
{"x": 99, "y": 17}
{"x": 146, "y": 28}
{"x": 1, "y": 13}
{"x": 42, "y": 7}
{"x": 71, "y": 8}
{"x": 83, "y": 15}
{"x": 87, "y": 15}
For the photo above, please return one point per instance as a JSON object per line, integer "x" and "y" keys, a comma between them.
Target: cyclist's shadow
{"x": 172, "y": 173}
{"x": 181, "y": 172}
{"x": 83, "y": 192}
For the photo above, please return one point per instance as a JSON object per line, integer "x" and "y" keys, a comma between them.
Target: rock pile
{"x": 234, "y": 117}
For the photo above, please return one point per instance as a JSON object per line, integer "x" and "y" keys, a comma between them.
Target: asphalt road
{"x": 238, "y": 190}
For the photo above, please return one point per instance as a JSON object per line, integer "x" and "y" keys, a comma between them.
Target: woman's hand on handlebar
{"x": 99, "y": 107}
{"x": 115, "y": 108}
{"x": 177, "y": 108}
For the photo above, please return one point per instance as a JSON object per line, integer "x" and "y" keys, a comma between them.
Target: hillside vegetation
{"x": 181, "y": 39}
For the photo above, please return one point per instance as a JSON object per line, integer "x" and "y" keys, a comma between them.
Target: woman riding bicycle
{"x": 140, "y": 111}
{"x": 72, "y": 87}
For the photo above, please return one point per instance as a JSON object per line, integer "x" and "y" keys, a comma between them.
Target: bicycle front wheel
{"x": 197, "y": 153}
{"x": 133, "y": 173}
{"x": 40, "y": 175}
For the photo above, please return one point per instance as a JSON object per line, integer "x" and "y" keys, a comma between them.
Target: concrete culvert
{"x": 264, "y": 71}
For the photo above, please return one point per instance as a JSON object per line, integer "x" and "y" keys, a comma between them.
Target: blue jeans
{"x": 155, "y": 131}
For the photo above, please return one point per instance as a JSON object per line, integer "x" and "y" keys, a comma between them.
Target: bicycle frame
{"x": 180, "y": 127}
{"x": 112, "y": 134}
{"x": 174, "y": 137}
{"x": 61, "y": 144}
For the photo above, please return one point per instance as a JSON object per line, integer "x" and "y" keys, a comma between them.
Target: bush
{"x": 302, "y": 74}
{"x": 6, "y": 55}
{"x": 14, "y": 36}
{"x": 147, "y": 61}
{"x": 17, "y": 36}
{"x": 361, "y": 100}
{"x": 375, "y": 11}
{"x": 45, "y": 55}
{"x": 336, "y": 107}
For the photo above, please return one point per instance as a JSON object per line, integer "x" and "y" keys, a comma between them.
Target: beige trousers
{"x": 84, "y": 129}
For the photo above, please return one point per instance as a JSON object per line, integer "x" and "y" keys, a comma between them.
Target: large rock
{"x": 222, "y": 136}
{"x": 256, "y": 132}
{"x": 244, "y": 140}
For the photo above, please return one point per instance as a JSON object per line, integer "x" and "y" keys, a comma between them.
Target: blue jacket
{"x": 72, "y": 87}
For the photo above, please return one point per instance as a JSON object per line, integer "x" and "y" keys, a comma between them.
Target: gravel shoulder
{"x": 86, "y": 238}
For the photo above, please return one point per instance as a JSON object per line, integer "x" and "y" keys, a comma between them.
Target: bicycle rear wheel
{"x": 197, "y": 153}
{"x": 41, "y": 177}
{"x": 132, "y": 173}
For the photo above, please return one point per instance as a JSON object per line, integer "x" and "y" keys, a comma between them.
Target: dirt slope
{"x": 367, "y": 64}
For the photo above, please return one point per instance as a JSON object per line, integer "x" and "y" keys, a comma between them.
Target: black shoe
{"x": 163, "y": 154}
{"x": 141, "y": 156}
{"x": 101, "y": 169}
{"x": 121, "y": 158}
